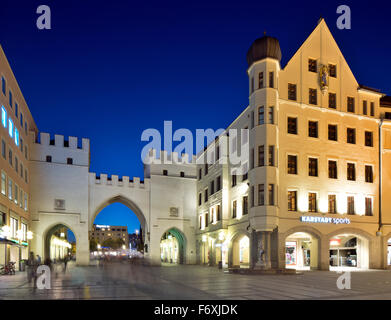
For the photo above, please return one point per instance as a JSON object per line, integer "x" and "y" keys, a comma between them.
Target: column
{"x": 261, "y": 254}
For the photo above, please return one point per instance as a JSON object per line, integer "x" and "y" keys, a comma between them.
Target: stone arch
{"x": 182, "y": 242}
{"x": 312, "y": 250}
{"x": 132, "y": 205}
{"x": 49, "y": 231}
{"x": 235, "y": 236}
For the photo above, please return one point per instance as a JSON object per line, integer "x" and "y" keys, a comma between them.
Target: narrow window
{"x": 261, "y": 115}
{"x": 313, "y": 167}
{"x": 199, "y": 198}
{"x": 350, "y": 104}
{"x": 333, "y": 70}
{"x": 292, "y": 125}
{"x": 200, "y": 174}
{"x": 292, "y": 200}
{"x": 3, "y": 85}
{"x": 292, "y": 95}
{"x": 261, "y": 194}
{"x": 364, "y": 107}
{"x": 245, "y": 205}
{"x": 312, "y": 65}
{"x": 271, "y": 156}
{"x": 234, "y": 180}
{"x": 368, "y": 174}
{"x": 332, "y": 100}
{"x": 260, "y": 80}
{"x": 48, "y": 158}
{"x": 252, "y": 85}
{"x": 4, "y": 117}
{"x": 292, "y": 164}
{"x": 252, "y": 196}
{"x": 10, "y": 128}
{"x": 312, "y": 205}
{"x": 372, "y": 109}
{"x": 332, "y": 207}
{"x": 271, "y": 79}
{"x": 333, "y": 172}
{"x": 312, "y": 96}
{"x": 368, "y": 206}
{"x": 313, "y": 129}
{"x": 206, "y": 195}
{"x": 368, "y": 139}
{"x": 333, "y": 132}
{"x": 3, "y": 149}
{"x": 69, "y": 161}
{"x": 271, "y": 115}
{"x": 351, "y": 135}
{"x": 271, "y": 194}
{"x": 350, "y": 205}
{"x": 261, "y": 156}
{"x": 212, "y": 187}
{"x": 351, "y": 174}
{"x": 234, "y": 207}
{"x": 165, "y": 172}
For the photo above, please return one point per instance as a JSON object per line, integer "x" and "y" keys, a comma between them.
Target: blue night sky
{"x": 110, "y": 69}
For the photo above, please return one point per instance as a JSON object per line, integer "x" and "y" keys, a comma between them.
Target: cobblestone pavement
{"x": 127, "y": 281}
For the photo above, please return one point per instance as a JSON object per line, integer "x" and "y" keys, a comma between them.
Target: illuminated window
{"x": 312, "y": 205}
{"x": 313, "y": 167}
{"x": 312, "y": 65}
{"x": 351, "y": 174}
{"x": 350, "y": 205}
{"x": 16, "y": 193}
{"x": 245, "y": 205}
{"x": 16, "y": 136}
{"x": 10, "y": 189}
{"x": 14, "y": 227}
{"x": 333, "y": 172}
{"x": 24, "y": 232}
{"x": 368, "y": 206}
{"x": 3, "y": 117}
{"x": 3, "y": 183}
{"x": 292, "y": 200}
{"x": 292, "y": 164}
{"x": 271, "y": 194}
{"x": 332, "y": 203}
{"x": 10, "y": 128}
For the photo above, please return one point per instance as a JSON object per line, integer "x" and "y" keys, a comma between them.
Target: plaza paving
{"x": 127, "y": 281}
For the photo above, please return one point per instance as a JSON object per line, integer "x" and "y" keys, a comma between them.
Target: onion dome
{"x": 265, "y": 47}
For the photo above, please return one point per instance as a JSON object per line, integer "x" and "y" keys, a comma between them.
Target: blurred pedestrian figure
{"x": 38, "y": 259}
{"x": 65, "y": 263}
{"x": 30, "y": 267}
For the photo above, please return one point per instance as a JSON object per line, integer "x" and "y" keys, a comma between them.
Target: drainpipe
{"x": 380, "y": 177}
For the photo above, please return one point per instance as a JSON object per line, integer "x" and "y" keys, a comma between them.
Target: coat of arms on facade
{"x": 324, "y": 78}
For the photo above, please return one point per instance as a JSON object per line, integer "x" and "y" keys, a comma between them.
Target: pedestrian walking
{"x": 65, "y": 263}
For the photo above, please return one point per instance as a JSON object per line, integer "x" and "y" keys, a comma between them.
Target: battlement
{"x": 115, "y": 180}
{"x": 45, "y": 139}
{"x": 168, "y": 158}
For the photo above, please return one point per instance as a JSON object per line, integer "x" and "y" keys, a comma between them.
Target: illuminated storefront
{"x": 169, "y": 249}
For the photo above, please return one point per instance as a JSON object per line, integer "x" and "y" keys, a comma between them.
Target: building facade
{"x": 313, "y": 193}
{"x": 16, "y": 123}
{"x": 101, "y": 233}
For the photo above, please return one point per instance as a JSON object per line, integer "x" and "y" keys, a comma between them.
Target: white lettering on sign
{"x": 312, "y": 219}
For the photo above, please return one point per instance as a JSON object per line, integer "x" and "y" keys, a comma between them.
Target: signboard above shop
{"x": 330, "y": 220}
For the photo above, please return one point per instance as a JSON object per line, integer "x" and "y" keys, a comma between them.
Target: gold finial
{"x": 264, "y": 33}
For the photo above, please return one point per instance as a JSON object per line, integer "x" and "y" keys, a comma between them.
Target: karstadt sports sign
{"x": 312, "y": 219}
